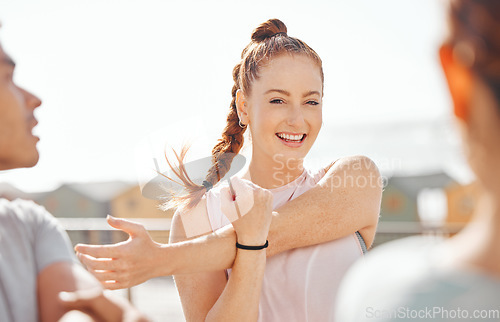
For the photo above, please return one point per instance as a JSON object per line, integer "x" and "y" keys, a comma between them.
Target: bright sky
{"x": 110, "y": 73}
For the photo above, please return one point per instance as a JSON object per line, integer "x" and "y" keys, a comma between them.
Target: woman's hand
{"x": 123, "y": 264}
{"x": 252, "y": 209}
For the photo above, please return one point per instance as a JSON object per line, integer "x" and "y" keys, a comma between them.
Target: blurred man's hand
{"x": 95, "y": 305}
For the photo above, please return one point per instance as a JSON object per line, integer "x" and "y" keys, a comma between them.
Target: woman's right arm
{"x": 209, "y": 296}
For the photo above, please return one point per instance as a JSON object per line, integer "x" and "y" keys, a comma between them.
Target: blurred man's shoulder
{"x": 23, "y": 211}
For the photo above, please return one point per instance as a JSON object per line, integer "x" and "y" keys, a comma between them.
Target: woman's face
{"x": 284, "y": 110}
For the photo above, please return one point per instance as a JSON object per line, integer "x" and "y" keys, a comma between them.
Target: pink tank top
{"x": 300, "y": 284}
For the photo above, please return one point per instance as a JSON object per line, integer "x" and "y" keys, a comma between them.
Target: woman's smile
{"x": 292, "y": 140}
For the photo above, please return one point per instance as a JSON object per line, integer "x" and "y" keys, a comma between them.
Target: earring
{"x": 242, "y": 125}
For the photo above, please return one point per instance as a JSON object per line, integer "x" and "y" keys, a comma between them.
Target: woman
{"x": 457, "y": 278}
{"x": 278, "y": 96}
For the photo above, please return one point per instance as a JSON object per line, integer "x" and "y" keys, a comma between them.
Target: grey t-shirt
{"x": 30, "y": 240}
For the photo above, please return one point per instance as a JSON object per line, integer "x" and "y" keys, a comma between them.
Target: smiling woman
{"x": 277, "y": 95}
{"x": 311, "y": 225}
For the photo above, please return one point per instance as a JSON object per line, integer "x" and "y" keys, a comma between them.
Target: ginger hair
{"x": 475, "y": 37}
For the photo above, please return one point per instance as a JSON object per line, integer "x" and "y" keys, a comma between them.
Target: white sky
{"x": 110, "y": 73}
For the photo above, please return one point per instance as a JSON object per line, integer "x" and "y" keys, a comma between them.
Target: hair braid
{"x": 232, "y": 139}
{"x": 223, "y": 154}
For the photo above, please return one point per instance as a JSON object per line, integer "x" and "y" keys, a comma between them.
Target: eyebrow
{"x": 282, "y": 91}
{"x": 311, "y": 93}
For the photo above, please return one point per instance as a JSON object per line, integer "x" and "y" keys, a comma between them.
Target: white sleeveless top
{"x": 300, "y": 284}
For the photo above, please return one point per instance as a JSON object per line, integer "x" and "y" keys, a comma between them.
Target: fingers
{"x": 244, "y": 191}
{"x": 114, "y": 285}
{"x": 242, "y": 186}
{"x": 228, "y": 206}
{"x": 98, "y": 263}
{"x": 132, "y": 228}
{"x": 112, "y": 280}
{"x": 104, "y": 270}
{"x": 99, "y": 251}
{"x": 108, "y": 273}
{"x": 112, "y": 251}
{"x": 105, "y": 276}
{"x": 247, "y": 194}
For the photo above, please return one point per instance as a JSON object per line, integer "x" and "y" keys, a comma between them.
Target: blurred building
{"x": 82, "y": 202}
{"x": 461, "y": 200}
{"x": 130, "y": 203}
{"x": 82, "y": 208}
{"x": 399, "y": 213}
{"x": 399, "y": 200}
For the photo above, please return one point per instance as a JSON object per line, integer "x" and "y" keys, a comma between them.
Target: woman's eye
{"x": 314, "y": 103}
{"x": 276, "y": 101}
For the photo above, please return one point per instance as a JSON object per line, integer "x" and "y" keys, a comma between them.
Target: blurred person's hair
{"x": 475, "y": 37}
{"x": 269, "y": 40}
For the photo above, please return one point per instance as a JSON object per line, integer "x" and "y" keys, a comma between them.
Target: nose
{"x": 32, "y": 101}
{"x": 295, "y": 116}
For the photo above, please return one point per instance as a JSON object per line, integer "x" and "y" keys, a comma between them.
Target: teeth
{"x": 290, "y": 137}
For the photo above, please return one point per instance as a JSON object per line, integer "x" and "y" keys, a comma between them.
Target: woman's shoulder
{"x": 353, "y": 162}
{"x": 203, "y": 218}
{"x": 189, "y": 223}
{"x": 356, "y": 168}
{"x": 346, "y": 164}
{"x": 313, "y": 175}
{"x": 215, "y": 216}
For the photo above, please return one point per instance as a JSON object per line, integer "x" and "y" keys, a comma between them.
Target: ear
{"x": 459, "y": 80}
{"x": 242, "y": 106}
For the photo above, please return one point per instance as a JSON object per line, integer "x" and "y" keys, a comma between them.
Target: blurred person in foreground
{"x": 40, "y": 278}
{"x": 456, "y": 278}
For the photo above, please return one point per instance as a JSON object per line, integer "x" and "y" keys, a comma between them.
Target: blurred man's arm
{"x": 85, "y": 295}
